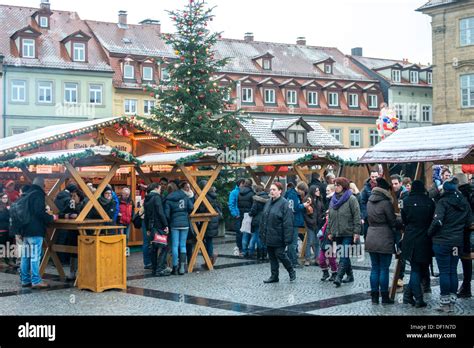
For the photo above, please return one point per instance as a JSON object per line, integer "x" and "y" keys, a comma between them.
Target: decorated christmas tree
{"x": 191, "y": 104}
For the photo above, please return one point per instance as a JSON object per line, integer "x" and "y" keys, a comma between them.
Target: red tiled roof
{"x": 62, "y": 24}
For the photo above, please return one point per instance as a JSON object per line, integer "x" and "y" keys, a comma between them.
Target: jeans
{"x": 447, "y": 262}
{"x": 30, "y": 260}
{"x": 146, "y": 247}
{"x": 312, "y": 241}
{"x": 344, "y": 260}
{"x": 293, "y": 248}
{"x": 238, "y": 234}
{"x": 275, "y": 255}
{"x": 415, "y": 279}
{"x": 379, "y": 276}
{"x": 249, "y": 240}
{"x": 208, "y": 242}
{"x": 255, "y": 240}
{"x": 178, "y": 244}
{"x": 127, "y": 232}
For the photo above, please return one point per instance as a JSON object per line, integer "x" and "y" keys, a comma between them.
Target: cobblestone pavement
{"x": 234, "y": 288}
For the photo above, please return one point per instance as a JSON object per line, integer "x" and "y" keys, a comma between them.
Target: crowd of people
{"x": 336, "y": 216}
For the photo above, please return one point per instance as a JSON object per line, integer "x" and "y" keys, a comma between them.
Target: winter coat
{"x": 116, "y": 209}
{"x": 245, "y": 200}
{"x": 5, "y": 220}
{"x": 468, "y": 193}
{"x": 364, "y": 199}
{"x": 13, "y": 196}
{"x": 296, "y": 206}
{"x": 126, "y": 210}
{"x": 276, "y": 227}
{"x": 402, "y": 193}
{"x": 259, "y": 201}
{"x": 39, "y": 218}
{"x": 63, "y": 203}
{"x": 213, "y": 227}
{"x": 315, "y": 221}
{"x": 382, "y": 223}
{"x": 155, "y": 218}
{"x": 345, "y": 221}
{"x": 177, "y": 209}
{"x": 109, "y": 207}
{"x": 322, "y": 188}
{"x": 233, "y": 202}
{"x": 452, "y": 217}
{"x": 417, "y": 215}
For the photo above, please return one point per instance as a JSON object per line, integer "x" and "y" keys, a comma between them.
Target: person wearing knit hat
{"x": 452, "y": 217}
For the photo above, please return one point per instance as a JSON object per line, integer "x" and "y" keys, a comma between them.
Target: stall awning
{"x": 453, "y": 143}
{"x": 180, "y": 157}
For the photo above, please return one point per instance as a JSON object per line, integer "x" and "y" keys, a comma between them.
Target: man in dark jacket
{"x": 417, "y": 214}
{"x": 276, "y": 228}
{"x": 33, "y": 234}
{"x": 156, "y": 223}
{"x": 297, "y": 207}
{"x": 452, "y": 218}
{"x": 259, "y": 201}
{"x": 467, "y": 191}
{"x": 364, "y": 198}
{"x": 244, "y": 204}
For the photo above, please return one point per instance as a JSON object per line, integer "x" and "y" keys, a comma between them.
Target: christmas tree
{"x": 191, "y": 103}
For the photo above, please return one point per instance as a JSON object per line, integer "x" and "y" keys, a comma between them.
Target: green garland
{"x": 19, "y": 162}
{"x": 330, "y": 157}
{"x": 190, "y": 159}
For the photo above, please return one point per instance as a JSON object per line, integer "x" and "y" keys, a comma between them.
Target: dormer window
{"x": 396, "y": 76}
{"x": 267, "y": 64}
{"x": 297, "y": 137}
{"x": 328, "y": 68}
{"x": 129, "y": 72}
{"x": 264, "y": 61}
{"x": 414, "y": 76}
{"x": 79, "y": 52}
{"x": 44, "y": 22}
{"x": 28, "y": 48}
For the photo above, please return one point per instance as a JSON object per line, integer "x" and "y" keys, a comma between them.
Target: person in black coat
{"x": 277, "y": 232}
{"x": 65, "y": 205}
{"x": 5, "y": 228}
{"x": 107, "y": 202}
{"x": 156, "y": 223}
{"x": 417, "y": 214}
{"x": 259, "y": 200}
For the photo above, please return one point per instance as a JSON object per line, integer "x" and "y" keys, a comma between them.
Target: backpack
{"x": 20, "y": 214}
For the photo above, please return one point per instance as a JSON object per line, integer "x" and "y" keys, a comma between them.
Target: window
{"x": 267, "y": 64}
{"x": 226, "y": 94}
{"x": 95, "y": 94}
{"x": 269, "y": 96}
{"x": 413, "y": 112}
{"x": 374, "y": 137}
{"x": 426, "y": 113}
{"x": 313, "y": 98}
{"x": 28, "y": 48}
{"x": 130, "y": 106}
{"x": 413, "y": 76}
{"x": 328, "y": 68}
{"x": 129, "y": 71}
{"x": 429, "y": 78}
{"x": 18, "y": 93}
{"x": 165, "y": 75}
{"x": 148, "y": 73}
{"x": 18, "y": 130}
{"x": 70, "y": 93}
{"x": 373, "y": 101}
{"x": 399, "y": 109}
{"x": 291, "y": 98}
{"x": 333, "y": 99}
{"x": 355, "y": 137}
{"x": 396, "y": 76}
{"x": 43, "y": 22}
{"x": 298, "y": 138}
{"x": 337, "y": 134}
{"x": 467, "y": 91}
{"x": 353, "y": 100}
{"x": 148, "y": 106}
{"x": 79, "y": 52}
{"x": 247, "y": 95}
{"x": 467, "y": 31}
{"x": 45, "y": 92}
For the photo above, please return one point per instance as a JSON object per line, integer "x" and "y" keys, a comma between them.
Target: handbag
{"x": 138, "y": 221}
{"x": 246, "y": 224}
{"x": 161, "y": 239}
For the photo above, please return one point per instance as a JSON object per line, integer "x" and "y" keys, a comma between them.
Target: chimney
{"x": 301, "y": 41}
{"x": 152, "y": 23}
{"x": 405, "y": 60}
{"x": 45, "y": 5}
{"x": 122, "y": 20}
{"x": 248, "y": 37}
{"x": 357, "y": 51}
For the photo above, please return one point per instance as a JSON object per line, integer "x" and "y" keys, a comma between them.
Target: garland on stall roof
{"x": 328, "y": 156}
{"x": 19, "y": 162}
{"x": 190, "y": 159}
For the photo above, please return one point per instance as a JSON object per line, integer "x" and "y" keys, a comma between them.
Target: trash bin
{"x": 102, "y": 263}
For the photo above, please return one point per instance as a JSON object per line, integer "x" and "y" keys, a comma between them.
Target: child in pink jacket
{"x": 327, "y": 256}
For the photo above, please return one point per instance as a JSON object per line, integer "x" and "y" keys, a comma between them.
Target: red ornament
{"x": 202, "y": 96}
{"x": 200, "y": 118}
{"x": 152, "y": 94}
{"x": 182, "y": 58}
{"x": 237, "y": 136}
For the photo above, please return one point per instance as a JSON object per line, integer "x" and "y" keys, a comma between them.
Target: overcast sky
{"x": 384, "y": 28}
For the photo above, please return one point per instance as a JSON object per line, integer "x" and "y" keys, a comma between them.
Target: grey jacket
{"x": 382, "y": 222}
{"x": 345, "y": 222}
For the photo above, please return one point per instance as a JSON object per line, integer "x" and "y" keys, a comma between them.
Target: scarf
{"x": 190, "y": 194}
{"x": 336, "y": 203}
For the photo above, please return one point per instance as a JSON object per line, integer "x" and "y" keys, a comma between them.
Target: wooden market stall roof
{"x": 51, "y": 134}
{"x": 339, "y": 156}
{"x": 451, "y": 143}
